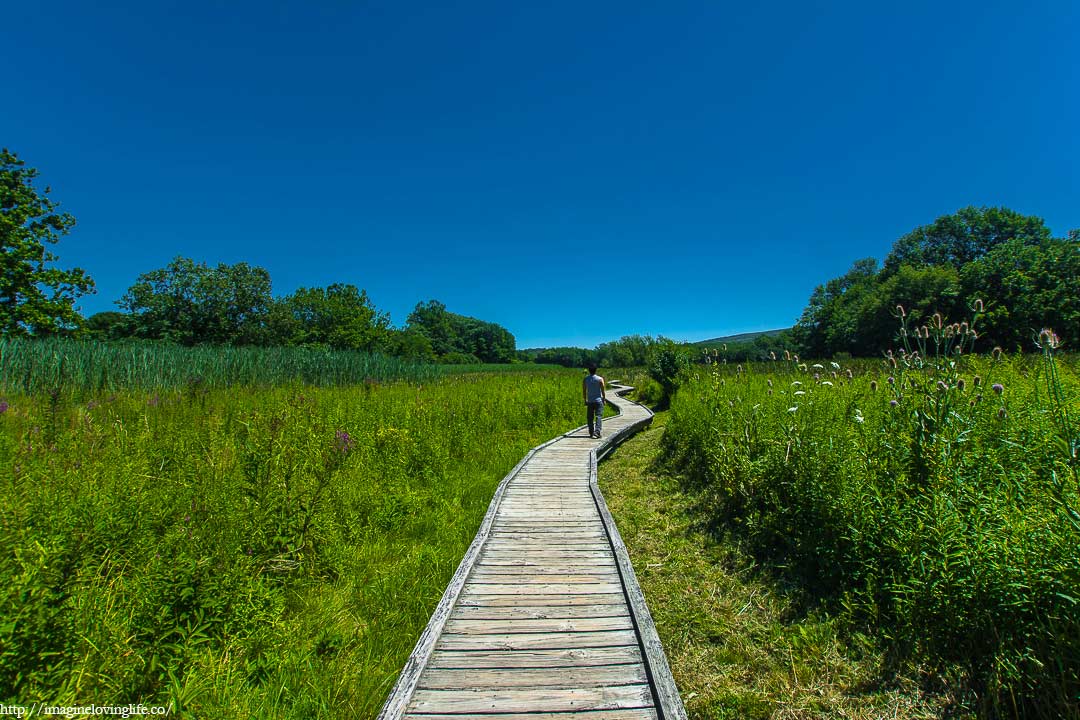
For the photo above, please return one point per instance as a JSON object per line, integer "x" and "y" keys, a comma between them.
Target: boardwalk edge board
{"x": 669, "y": 705}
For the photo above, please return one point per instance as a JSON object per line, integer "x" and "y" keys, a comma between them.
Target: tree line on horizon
{"x": 1024, "y": 278}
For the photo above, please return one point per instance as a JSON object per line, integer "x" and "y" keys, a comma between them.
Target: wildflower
{"x": 799, "y": 392}
{"x": 964, "y": 329}
{"x": 900, "y": 311}
{"x": 793, "y": 409}
{"x": 942, "y": 386}
{"x": 960, "y": 384}
{"x": 826, "y": 382}
{"x": 978, "y": 305}
{"x": 835, "y": 365}
{"x": 342, "y": 442}
{"x": 772, "y": 355}
{"x": 891, "y": 380}
{"x": 976, "y": 381}
{"x": 938, "y": 320}
{"x": 997, "y": 352}
{"x": 858, "y": 416}
{"x": 850, "y": 375}
{"x": 770, "y": 392}
{"x": 3, "y": 406}
{"x": 795, "y": 357}
{"x": 892, "y": 361}
{"x": 92, "y": 404}
{"x": 873, "y": 385}
{"x": 1002, "y": 414}
{"x": 817, "y": 376}
{"x": 787, "y": 355}
{"x": 154, "y": 401}
{"x": 818, "y": 366}
{"x": 998, "y": 388}
{"x": 893, "y": 403}
{"x": 769, "y": 381}
{"x": 1048, "y": 338}
{"x": 796, "y": 383}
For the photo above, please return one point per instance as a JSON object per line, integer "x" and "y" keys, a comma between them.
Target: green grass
{"x": 230, "y": 551}
{"x": 931, "y": 505}
{"x": 738, "y": 645}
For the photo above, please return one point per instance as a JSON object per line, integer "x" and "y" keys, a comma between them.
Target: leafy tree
{"x": 108, "y": 325}
{"x": 920, "y": 291}
{"x": 454, "y": 336}
{"x": 828, "y": 323}
{"x": 35, "y": 299}
{"x": 963, "y": 237}
{"x": 340, "y": 316}
{"x": 190, "y": 303}
{"x": 1025, "y": 288}
{"x": 667, "y": 361}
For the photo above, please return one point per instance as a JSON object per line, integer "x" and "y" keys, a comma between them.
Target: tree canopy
{"x": 1025, "y": 278}
{"x": 35, "y": 297}
{"x": 460, "y": 339}
{"x": 189, "y": 302}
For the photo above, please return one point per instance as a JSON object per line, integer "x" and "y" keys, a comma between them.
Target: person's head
{"x": 592, "y": 368}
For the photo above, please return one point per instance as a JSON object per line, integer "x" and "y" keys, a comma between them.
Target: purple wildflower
{"x": 342, "y": 442}
{"x": 3, "y": 406}
{"x": 998, "y": 388}
{"x": 893, "y": 403}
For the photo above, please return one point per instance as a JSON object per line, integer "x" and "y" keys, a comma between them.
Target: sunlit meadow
{"x": 930, "y": 498}
{"x": 243, "y": 551}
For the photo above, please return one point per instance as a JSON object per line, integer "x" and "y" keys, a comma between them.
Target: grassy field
{"x": 928, "y": 504}
{"x": 739, "y": 644}
{"x": 246, "y": 552}
{"x": 73, "y": 367}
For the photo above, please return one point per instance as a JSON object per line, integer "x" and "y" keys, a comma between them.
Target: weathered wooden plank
{"x": 562, "y": 658}
{"x": 561, "y": 599}
{"x": 536, "y": 641}
{"x": 471, "y": 612}
{"x": 621, "y": 714}
{"x": 494, "y": 679}
{"x": 540, "y": 625}
{"x": 531, "y": 700}
{"x": 478, "y": 588}
{"x": 517, "y": 569}
{"x": 529, "y": 580}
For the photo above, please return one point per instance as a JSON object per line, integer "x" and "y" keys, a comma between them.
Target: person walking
{"x": 593, "y": 389}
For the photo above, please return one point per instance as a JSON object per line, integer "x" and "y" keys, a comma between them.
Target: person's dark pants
{"x": 596, "y": 416}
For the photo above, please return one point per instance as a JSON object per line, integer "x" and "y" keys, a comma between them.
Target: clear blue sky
{"x": 520, "y": 161}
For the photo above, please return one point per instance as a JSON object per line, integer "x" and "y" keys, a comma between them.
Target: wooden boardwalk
{"x": 544, "y": 618}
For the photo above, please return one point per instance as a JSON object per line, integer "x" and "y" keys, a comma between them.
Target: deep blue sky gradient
{"x": 508, "y": 158}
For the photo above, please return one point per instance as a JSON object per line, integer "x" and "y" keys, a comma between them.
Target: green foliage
{"x": 963, "y": 237}
{"x": 455, "y": 337}
{"x": 35, "y": 298}
{"x": 35, "y": 366}
{"x": 238, "y": 552}
{"x": 1025, "y": 279}
{"x": 1027, "y": 287}
{"x": 188, "y": 302}
{"x": 932, "y": 500}
{"x": 668, "y": 360}
{"x": 339, "y": 316}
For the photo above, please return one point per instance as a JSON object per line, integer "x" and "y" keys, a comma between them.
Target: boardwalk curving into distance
{"x": 544, "y": 619}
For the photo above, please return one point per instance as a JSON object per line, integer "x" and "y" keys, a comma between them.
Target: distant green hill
{"x": 740, "y": 338}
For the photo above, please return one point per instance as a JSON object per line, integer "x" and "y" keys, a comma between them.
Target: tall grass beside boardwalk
{"x": 936, "y": 504}
{"x": 246, "y": 552}
{"x": 47, "y": 365}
